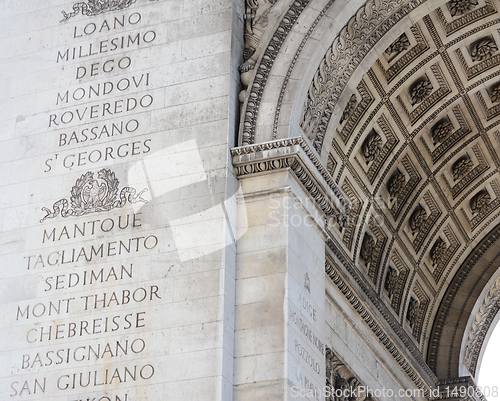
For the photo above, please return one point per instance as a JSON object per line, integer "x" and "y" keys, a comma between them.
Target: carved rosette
{"x": 460, "y": 7}
{"x": 396, "y": 183}
{"x": 372, "y": 146}
{"x": 391, "y": 280}
{"x": 367, "y": 248}
{"x": 417, "y": 219}
{"x": 461, "y": 168}
{"x": 441, "y": 131}
{"x": 349, "y": 108}
{"x": 483, "y": 49}
{"x": 399, "y": 45}
{"x": 495, "y": 94}
{"x": 438, "y": 251}
{"x": 420, "y": 91}
{"x": 412, "y": 312}
{"x": 480, "y": 201}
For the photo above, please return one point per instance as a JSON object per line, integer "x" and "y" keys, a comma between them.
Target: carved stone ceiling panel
{"x": 417, "y": 153}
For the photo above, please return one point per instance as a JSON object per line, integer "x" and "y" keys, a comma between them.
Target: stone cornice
{"x": 296, "y": 155}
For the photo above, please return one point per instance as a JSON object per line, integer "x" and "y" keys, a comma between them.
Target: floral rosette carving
{"x": 420, "y": 91}
{"x": 412, "y": 313}
{"x": 367, "y": 248}
{"x": 480, "y": 202}
{"x": 372, "y": 146}
{"x": 399, "y": 45}
{"x": 417, "y": 219}
{"x": 441, "y": 131}
{"x": 391, "y": 280}
{"x": 396, "y": 184}
{"x": 460, "y": 7}
{"x": 349, "y": 108}
{"x": 438, "y": 251}
{"x": 483, "y": 49}
{"x": 461, "y": 168}
{"x": 495, "y": 94}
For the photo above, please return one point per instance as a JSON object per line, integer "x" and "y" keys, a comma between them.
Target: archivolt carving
{"x": 480, "y": 326}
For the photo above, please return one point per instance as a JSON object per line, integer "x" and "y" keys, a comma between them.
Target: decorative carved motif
{"x": 420, "y": 91}
{"x": 90, "y": 195}
{"x": 358, "y": 112}
{"x": 399, "y": 45}
{"x": 396, "y": 183}
{"x": 462, "y": 167}
{"x": 96, "y": 7}
{"x": 341, "y": 382}
{"x": 480, "y": 326}
{"x": 256, "y": 19}
{"x": 467, "y": 18}
{"x": 483, "y": 49}
{"x": 480, "y": 201}
{"x": 438, "y": 251}
{"x": 428, "y": 101}
{"x": 349, "y": 108}
{"x": 495, "y": 94}
{"x": 307, "y": 283}
{"x": 460, "y": 7}
{"x": 391, "y": 281}
{"x": 397, "y": 66}
{"x": 441, "y": 131}
{"x": 412, "y": 312}
{"x": 417, "y": 219}
{"x": 372, "y": 146}
{"x": 367, "y": 249}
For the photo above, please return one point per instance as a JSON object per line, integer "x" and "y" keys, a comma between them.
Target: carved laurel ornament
{"x": 495, "y": 94}
{"x": 349, "y": 108}
{"x": 90, "y": 195}
{"x": 438, "y": 251}
{"x": 420, "y": 91}
{"x": 483, "y": 49}
{"x": 372, "y": 146}
{"x": 480, "y": 326}
{"x": 460, "y": 7}
{"x": 462, "y": 167}
{"x": 367, "y": 248}
{"x": 480, "y": 201}
{"x": 441, "y": 131}
{"x": 417, "y": 219}
{"x": 96, "y": 7}
{"x": 396, "y": 183}
{"x": 399, "y": 45}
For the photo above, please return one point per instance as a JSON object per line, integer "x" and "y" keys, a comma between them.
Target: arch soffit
{"x": 313, "y": 47}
